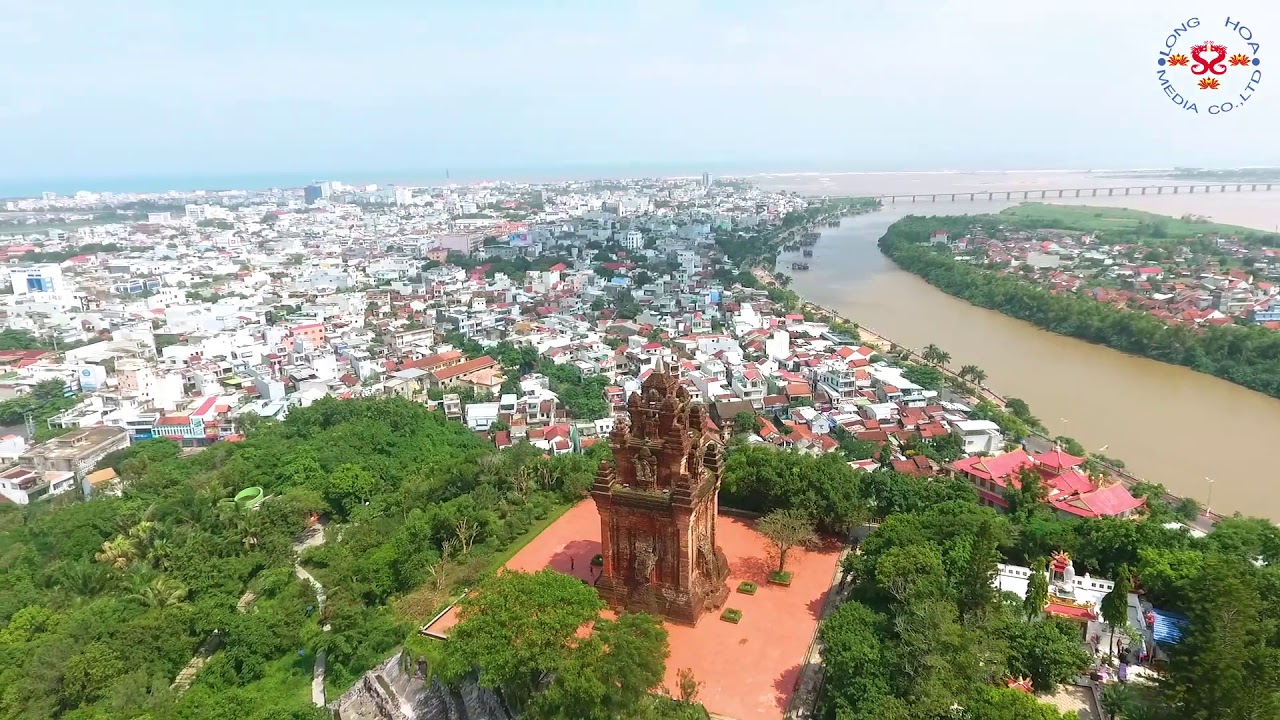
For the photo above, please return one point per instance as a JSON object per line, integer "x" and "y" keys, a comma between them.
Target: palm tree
{"x": 83, "y": 579}
{"x": 935, "y": 355}
{"x": 138, "y": 578}
{"x": 972, "y": 372}
{"x": 119, "y": 553}
{"x": 161, "y": 593}
{"x": 1118, "y": 701}
{"x": 247, "y": 530}
{"x": 160, "y": 553}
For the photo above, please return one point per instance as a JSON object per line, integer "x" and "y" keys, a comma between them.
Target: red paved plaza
{"x": 748, "y": 671}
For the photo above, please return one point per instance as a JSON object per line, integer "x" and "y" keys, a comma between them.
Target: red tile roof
{"x": 469, "y": 366}
{"x": 431, "y": 362}
{"x": 999, "y": 469}
{"x": 1058, "y": 460}
{"x": 1109, "y": 501}
{"x": 798, "y": 390}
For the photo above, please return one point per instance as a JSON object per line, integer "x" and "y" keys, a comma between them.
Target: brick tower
{"x": 658, "y": 507}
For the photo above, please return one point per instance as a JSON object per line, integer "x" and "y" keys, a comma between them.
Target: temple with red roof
{"x": 1070, "y": 490}
{"x": 1070, "y": 597}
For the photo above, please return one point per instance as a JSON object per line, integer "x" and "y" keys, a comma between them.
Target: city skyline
{"x": 391, "y": 92}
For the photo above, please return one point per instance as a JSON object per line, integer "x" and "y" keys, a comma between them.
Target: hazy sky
{"x": 107, "y": 89}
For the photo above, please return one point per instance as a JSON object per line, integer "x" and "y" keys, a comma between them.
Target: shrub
{"x": 598, "y": 560}
{"x": 746, "y": 587}
{"x": 731, "y": 616}
{"x": 780, "y": 577}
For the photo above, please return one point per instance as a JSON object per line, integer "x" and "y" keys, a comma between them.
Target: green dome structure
{"x": 249, "y": 498}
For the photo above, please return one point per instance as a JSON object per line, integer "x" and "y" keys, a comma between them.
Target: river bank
{"x": 1036, "y": 440}
{"x": 1159, "y": 418}
{"x": 1241, "y": 353}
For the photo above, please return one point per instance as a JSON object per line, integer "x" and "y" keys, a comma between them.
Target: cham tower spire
{"x": 658, "y": 507}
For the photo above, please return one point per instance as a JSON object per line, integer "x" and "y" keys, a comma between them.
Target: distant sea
{"x": 32, "y": 187}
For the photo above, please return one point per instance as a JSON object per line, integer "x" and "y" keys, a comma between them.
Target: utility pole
{"x": 30, "y": 422}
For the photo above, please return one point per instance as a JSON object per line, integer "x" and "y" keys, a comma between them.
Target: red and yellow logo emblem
{"x": 1223, "y": 74}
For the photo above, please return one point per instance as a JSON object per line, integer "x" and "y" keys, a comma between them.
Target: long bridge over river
{"x": 982, "y": 195}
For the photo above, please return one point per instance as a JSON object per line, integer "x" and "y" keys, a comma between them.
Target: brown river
{"x": 1169, "y": 424}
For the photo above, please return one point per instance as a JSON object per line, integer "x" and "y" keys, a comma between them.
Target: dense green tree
{"x": 1227, "y": 666}
{"x": 747, "y": 422}
{"x": 925, "y": 376}
{"x": 909, "y": 573}
{"x": 760, "y": 479}
{"x": 889, "y": 492}
{"x": 46, "y": 399}
{"x": 1168, "y": 575}
{"x": 608, "y": 674}
{"x": 1049, "y": 652}
{"x": 1115, "y": 604}
{"x": 1001, "y": 704}
{"x": 1037, "y": 591}
{"x": 582, "y": 396}
{"x": 176, "y": 561}
{"x": 348, "y": 487}
{"x": 853, "y": 654}
{"x": 974, "y": 592}
{"x": 515, "y": 628}
{"x": 15, "y": 339}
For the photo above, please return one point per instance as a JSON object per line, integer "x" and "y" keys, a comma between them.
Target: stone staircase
{"x": 389, "y": 693}
{"x": 188, "y": 673}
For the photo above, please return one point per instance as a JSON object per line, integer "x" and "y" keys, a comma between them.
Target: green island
{"x": 1245, "y": 354}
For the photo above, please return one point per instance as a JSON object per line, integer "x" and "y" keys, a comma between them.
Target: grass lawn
{"x": 1119, "y": 221}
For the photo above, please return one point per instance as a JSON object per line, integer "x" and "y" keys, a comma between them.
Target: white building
{"x": 44, "y": 279}
{"x": 633, "y": 240}
{"x": 1072, "y": 597}
{"x": 21, "y": 485}
{"x": 980, "y": 436}
{"x": 749, "y": 384}
{"x": 480, "y": 416}
{"x": 11, "y": 447}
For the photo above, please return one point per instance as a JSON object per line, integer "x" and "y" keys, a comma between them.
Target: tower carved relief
{"x": 658, "y": 507}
